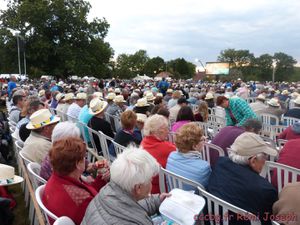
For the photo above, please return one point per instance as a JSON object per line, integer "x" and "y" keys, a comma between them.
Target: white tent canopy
{"x": 141, "y": 78}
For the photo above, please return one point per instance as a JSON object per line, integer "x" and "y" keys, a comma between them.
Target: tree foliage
{"x": 59, "y": 39}
{"x": 244, "y": 64}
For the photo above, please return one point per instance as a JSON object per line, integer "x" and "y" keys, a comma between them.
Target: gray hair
{"x": 241, "y": 160}
{"x": 65, "y": 130}
{"x": 254, "y": 124}
{"x": 154, "y": 123}
{"x": 133, "y": 166}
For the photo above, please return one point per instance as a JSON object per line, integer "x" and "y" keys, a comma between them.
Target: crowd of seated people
{"x": 127, "y": 191}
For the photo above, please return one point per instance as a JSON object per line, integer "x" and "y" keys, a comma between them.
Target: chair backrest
{"x": 220, "y": 121}
{"x": 118, "y": 148}
{"x": 115, "y": 121}
{"x": 281, "y": 143}
{"x": 93, "y": 135}
{"x": 169, "y": 180}
{"x": 271, "y": 131}
{"x": 19, "y": 144}
{"x": 221, "y": 209}
{"x": 83, "y": 130}
{"x": 34, "y": 171}
{"x": 171, "y": 137}
{"x": 285, "y": 174}
{"x": 104, "y": 146}
{"x": 269, "y": 119}
{"x": 288, "y": 121}
{"x": 64, "y": 220}
{"x": 207, "y": 151}
{"x": 38, "y": 195}
{"x": 209, "y": 129}
{"x": 25, "y": 160}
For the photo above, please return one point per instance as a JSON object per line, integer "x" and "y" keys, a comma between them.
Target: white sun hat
{"x": 41, "y": 118}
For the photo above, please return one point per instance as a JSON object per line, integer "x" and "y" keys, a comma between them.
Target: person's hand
{"x": 162, "y": 196}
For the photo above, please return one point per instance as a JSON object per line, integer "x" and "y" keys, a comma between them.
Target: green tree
{"x": 154, "y": 66}
{"x": 59, "y": 39}
{"x": 263, "y": 67}
{"x": 284, "y": 66}
{"x": 181, "y": 68}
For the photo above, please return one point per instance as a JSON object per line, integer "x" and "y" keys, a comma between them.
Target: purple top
{"x": 178, "y": 124}
{"x": 227, "y": 136}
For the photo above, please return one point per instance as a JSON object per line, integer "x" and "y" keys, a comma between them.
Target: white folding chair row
{"x": 269, "y": 119}
{"x": 118, "y": 148}
{"x": 114, "y": 121}
{"x": 169, "y": 180}
{"x": 288, "y": 121}
{"x": 285, "y": 174}
{"x": 220, "y": 121}
{"x": 34, "y": 171}
{"x": 222, "y": 209}
{"x": 104, "y": 139}
{"x": 272, "y": 131}
{"x": 47, "y": 213}
{"x": 209, "y": 129}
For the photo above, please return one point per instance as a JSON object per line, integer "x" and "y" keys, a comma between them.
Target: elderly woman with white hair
{"x": 62, "y": 130}
{"x": 125, "y": 199}
{"x": 156, "y": 130}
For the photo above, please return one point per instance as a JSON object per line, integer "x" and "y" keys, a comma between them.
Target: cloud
{"x": 201, "y": 29}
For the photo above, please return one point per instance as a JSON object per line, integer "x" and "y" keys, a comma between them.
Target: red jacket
{"x": 65, "y": 196}
{"x": 160, "y": 150}
{"x": 290, "y": 156}
{"x": 288, "y": 134}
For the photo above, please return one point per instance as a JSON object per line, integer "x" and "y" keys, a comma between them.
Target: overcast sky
{"x": 201, "y": 29}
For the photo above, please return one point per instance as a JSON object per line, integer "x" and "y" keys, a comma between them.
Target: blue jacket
{"x": 242, "y": 187}
{"x": 189, "y": 165}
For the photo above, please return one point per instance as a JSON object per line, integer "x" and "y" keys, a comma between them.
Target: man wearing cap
{"x": 38, "y": 144}
{"x": 236, "y": 179}
{"x": 259, "y": 105}
{"x": 75, "y": 107}
{"x": 294, "y": 112}
{"x": 168, "y": 96}
{"x": 237, "y": 110}
{"x": 274, "y": 109}
{"x": 117, "y": 107}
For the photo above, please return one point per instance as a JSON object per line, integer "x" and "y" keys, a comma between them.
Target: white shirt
{"x": 73, "y": 111}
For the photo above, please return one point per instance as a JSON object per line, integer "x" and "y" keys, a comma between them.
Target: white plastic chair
{"x": 64, "y": 220}
{"x": 24, "y": 159}
{"x": 207, "y": 148}
{"x": 38, "y": 195}
{"x": 269, "y": 119}
{"x": 171, "y": 137}
{"x": 288, "y": 121}
{"x": 174, "y": 181}
{"x": 221, "y": 209}
{"x": 104, "y": 146}
{"x": 290, "y": 174}
{"x": 118, "y": 148}
{"x": 34, "y": 171}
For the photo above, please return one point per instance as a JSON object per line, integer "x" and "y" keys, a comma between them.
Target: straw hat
{"x": 59, "y": 96}
{"x": 81, "y": 96}
{"x": 69, "y": 96}
{"x": 285, "y": 92}
{"x": 117, "y": 90}
{"x": 261, "y": 97}
{"x": 170, "y": 91}
{"x": 119, "y": 99}
{"x": 97, "y": 106}
{"x": 142, "y": 102}
{"x": 7, "y": 176}
{"x": 141, "y": 117}
{"x": 41, "y": 118}
{"x": 297, "y": 100}
{"x": 41, "y": 93}
{"x": 159, "y": 95}
{"x": 150, "y": 96}
{"x": 294, "y": 94}
{"x": 250, "y": 144}
{"x": 111, "y": 96}
{"x": 273, "y": 102}
{"x": 209, "y": 95}
{"x": 98, "y": 95}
